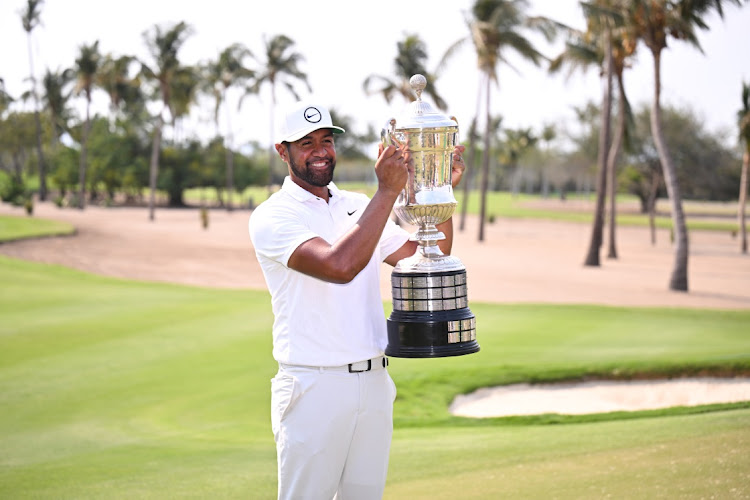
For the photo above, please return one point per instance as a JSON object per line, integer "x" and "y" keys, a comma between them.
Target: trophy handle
{"x": 388, "y": 134}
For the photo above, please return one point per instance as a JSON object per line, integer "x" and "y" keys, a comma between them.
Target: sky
{"x": 344, "y": 41}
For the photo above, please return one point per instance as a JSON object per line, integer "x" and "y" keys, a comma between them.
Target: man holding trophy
{"x": 320, "y": 249}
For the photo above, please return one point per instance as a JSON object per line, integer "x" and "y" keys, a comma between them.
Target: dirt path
{"x": 519, "y": 261}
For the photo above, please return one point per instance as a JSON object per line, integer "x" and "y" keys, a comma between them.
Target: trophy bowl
{"x": 430, "y": 316}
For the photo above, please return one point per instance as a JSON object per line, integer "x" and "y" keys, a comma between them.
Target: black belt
{"x": 358, "y": 367}
{"x": 381, "y": 360}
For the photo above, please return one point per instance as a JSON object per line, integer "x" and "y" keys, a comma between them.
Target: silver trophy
{"x": 430, "y": 316}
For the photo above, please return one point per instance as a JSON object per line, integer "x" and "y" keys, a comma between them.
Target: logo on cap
{"x": 312, "y": 115}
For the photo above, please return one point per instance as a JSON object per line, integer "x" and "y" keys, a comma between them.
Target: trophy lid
{"x": 420, "y": 114}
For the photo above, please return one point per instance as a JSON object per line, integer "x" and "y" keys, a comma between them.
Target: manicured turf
{"x": 16, "y": 228}
{"x": 116, "y": 389}
{"x": 696, "y": 456}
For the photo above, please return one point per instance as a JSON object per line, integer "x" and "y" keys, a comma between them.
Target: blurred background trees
{"x": 120, "y": 156}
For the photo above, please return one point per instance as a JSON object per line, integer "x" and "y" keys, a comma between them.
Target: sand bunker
{"x": 599, "y": 397}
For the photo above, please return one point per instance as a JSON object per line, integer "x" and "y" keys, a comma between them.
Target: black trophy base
{"x": 431, "y": 334}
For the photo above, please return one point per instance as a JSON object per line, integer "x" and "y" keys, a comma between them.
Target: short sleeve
{"x": 277, "y": 231}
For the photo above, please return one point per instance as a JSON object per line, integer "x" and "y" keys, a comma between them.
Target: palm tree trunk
{"x": 469, "y": 173}
{"x": 652, "y": 207}
{"x": 485, "y": 163}
{"x": 230, "y": 177}
{"x": 515, "y": 179}
{"x": 40, "y": 153}
{"x": 679, "y": 278}
{"x": 154, "y": 166}
{"x": 84, "y": 159}
{"x": 38, "y": 124}
{"x": 597, "y": 230}
{"x": 743, "y": 200}
{"x": 229, "y": 158}
{"x": 470, "y": 158}
{"x": 614, "y": 151}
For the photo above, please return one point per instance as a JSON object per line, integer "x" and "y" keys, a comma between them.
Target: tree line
{"x": 645, "y": 152}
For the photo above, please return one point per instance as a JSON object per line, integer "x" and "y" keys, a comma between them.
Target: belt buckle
{"x": 369, "y": 367}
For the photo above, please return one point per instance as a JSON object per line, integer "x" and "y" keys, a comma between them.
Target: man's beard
{"x": 313, "y": 176}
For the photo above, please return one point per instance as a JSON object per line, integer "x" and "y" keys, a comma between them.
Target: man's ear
{"x": 283, "y": 150}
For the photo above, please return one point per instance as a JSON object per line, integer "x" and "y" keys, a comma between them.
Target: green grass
{"x": 119, "y": 389}
{"x": 116, "y": 389}
{"x": 533, "y": 343}
{"x": 16, "y": 228}
{"x": 695, "y": 456}
{"x": 522, "y": 206}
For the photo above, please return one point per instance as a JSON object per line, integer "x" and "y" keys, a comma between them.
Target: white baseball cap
{"x": 305, "y": 117}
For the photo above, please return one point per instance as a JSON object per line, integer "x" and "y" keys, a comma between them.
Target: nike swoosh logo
{"x": 350, "y": 213}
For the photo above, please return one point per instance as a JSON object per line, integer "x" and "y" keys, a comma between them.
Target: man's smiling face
{"x": 312, "y": 159}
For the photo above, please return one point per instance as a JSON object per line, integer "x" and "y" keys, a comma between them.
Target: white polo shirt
{"x": 317, "y": 323}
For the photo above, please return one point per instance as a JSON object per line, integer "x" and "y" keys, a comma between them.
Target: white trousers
{"x": 333, "y": 431}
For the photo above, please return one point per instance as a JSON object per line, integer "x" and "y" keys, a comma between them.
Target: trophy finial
{"x": 418, "y": 83}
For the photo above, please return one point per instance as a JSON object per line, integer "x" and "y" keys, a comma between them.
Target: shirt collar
{"x": 302, "y": 195}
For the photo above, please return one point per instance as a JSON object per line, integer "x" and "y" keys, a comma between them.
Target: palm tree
{"x": 469, "y": 174}
{"x": 496, "y": 154}
{"x": 30, "y": 19}
{"x": 623, "y": 48}
{"x": 743, "y": 121}
{"x": 654, "y": 21}
{"x": 594, "y": 48}
{"x": 473, "y": 138}
{"x": 114, "y": 77}
{"x": 410, "y": 60}
{"x": 226, "y": 72}
{"x": 87, "y": 66}
{"x": 163, "y": 45}
{"x": 185, "y": 85}
{"x": 603, "y": 44}
{"x": 280, "y": 66}
{"x": 606, "y": 17}
{"x": 55, "y": 100}
{"x": 120, "y": 78}
{"x": 592, "y": 256}
{"x": 496, "y": 27}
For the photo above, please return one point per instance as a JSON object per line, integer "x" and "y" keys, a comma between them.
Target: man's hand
{"x": 391, "y": 168}
{"x": 458, "y": 165}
